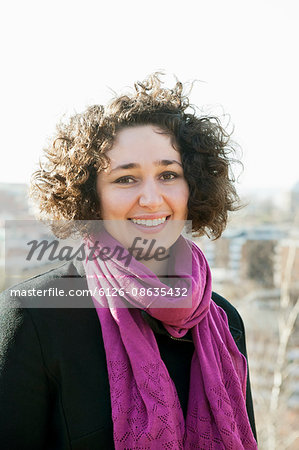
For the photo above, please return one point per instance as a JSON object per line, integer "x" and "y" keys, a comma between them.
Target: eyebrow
{"x": 160, "y": 162}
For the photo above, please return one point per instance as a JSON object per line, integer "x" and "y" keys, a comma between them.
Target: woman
{"x": 154, "y": 359}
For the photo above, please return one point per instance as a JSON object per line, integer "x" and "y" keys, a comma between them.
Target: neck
{"x": 158, "y": 267}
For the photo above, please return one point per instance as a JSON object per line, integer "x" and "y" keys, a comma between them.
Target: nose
{"x": 150, "y": 194}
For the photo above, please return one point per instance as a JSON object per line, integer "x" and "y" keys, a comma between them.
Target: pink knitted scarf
{"x": 146, "y": 411}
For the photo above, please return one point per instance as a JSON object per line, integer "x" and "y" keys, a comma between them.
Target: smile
{"x": 150, "y": 222}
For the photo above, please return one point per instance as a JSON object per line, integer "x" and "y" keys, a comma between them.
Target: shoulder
{"x": 47, "y": 290}
{"x": 33, "y": 307}
{"x": 49, "y": 322}
{"x": 234, "y": 318}
{"x": 42, "y": 279}
{"x": 235, "y": 321}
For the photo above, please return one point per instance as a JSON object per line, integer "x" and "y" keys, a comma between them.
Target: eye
{"x": 169, "y": 176}
{"x": 125, "y": 180}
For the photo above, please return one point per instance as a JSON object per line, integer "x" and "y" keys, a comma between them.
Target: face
{"x": 143, "y": 194}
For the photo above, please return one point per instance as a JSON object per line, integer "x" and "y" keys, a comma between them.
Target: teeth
{"x": 149, "y": 223}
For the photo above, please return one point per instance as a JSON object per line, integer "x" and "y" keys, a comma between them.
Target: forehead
{"x": 142, "y": 143}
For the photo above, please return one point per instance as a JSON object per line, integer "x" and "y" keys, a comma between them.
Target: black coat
{"x": 54, "y": 388}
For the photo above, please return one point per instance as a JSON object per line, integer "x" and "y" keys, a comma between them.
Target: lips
{"x": 149, "y": 221}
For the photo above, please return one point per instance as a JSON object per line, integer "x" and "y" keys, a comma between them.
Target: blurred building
{"x": 245, "y": 253}
{"x": 287, "y": 262}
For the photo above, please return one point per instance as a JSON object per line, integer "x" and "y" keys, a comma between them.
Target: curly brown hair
{"x": 65, "y": 186}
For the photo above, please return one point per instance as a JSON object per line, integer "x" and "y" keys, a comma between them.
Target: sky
{"x": 58, "y": 57}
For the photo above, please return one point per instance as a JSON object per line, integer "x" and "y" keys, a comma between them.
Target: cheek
{"x": 184, "y": 200}
{"x": 182, "y": 195}
{"x": 178, "y": 200}
{"x": 106, "y": 200}
{"x": 115, "y": 204}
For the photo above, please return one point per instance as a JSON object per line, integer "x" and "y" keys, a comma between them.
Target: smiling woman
{"x": 152, "y": 358}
